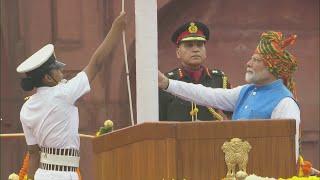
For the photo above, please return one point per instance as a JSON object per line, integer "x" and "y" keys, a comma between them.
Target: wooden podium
{"x": 192, "y": 150}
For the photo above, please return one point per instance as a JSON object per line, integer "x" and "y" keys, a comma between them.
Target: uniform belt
{"x": 59, "y": 159}
{"x": 53, "y": 167}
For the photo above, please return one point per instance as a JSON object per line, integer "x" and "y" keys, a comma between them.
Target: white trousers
{"x": 42, "y": 174}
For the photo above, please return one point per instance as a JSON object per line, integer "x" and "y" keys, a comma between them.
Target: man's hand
{"x": 163, "y": 81}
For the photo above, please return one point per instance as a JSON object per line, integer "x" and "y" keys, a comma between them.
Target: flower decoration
{"x": 23, "y": 173}
{"x": 107, "y": 127}
{"x": 13, "y": 176}
{"x": 240, "y": 175}
{"x": 305, "y": 168}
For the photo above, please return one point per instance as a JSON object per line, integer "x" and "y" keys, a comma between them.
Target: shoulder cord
{"x": 211, "y": 110}
{"x": 194, "y": 110}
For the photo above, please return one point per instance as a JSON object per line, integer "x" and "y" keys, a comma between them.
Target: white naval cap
{"x": 44, "y": 56}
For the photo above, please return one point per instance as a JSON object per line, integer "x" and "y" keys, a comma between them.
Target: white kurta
{"x": 50, "y": 119}
{"x": 226, "y": 99}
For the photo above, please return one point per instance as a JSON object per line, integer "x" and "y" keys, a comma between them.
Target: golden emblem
{"x": 193, "y": 28}
{"x": 236, "y": 153}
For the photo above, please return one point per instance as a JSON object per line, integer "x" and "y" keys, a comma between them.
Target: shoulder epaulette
{"x": 169, "y": 74}
{"x": 174, "y": 74}
{"x": 26, "y": 98}
{"x": 217, "y": 72}
{"x": 220, "y": 73}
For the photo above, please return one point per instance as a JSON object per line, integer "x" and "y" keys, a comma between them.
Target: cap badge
{"x": 192, "y": 28}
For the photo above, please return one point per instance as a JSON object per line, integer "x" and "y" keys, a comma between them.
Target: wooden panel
{"x": 229, "y": 129}
{"x": 150, "y": 159}
{"x": 204, "y": 158}
{"x": 67, "y": 21}
{"x": 133, "y": 134}
{"x": 196, "y": 149}
{"x": 86, "y": 158}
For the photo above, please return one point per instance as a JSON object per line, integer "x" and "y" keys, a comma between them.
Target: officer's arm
{"x": 105, "y": 48}
{"x": 34, "y": 160}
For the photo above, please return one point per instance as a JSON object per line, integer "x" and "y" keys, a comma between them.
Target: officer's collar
{"x": 183, "y": 72}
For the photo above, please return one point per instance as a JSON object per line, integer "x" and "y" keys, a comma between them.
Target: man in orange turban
{"x": 278, "y": 60}
{"x": 269, "y": 94}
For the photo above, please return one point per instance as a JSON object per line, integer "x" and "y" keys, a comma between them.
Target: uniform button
{"x": 246, "y": 107}
{"x": 254, "y": 93}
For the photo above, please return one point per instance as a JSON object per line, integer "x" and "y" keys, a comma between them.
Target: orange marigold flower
{"x": 25, "y": 167}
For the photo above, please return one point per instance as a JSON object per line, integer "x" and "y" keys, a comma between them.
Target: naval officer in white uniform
{"x": 49, "y": 118}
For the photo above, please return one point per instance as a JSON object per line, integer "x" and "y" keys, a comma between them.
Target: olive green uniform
{"x": 172, "y": 108}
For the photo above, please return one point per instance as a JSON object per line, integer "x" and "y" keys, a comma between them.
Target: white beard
{"x": 257, "y": 77}
{"x": 251, "y": 77}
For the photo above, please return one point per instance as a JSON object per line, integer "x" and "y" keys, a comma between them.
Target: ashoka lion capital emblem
{"x": 236, "y": 153}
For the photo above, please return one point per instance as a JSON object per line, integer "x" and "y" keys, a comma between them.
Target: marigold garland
{"x": 79, "y": 174}
{"x": 25, "y": 167}
{"x": 301, "y": 178}
{"x": 305, "y": 167}
{"x": 241, "y": 175}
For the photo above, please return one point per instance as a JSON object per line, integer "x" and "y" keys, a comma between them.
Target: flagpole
{"x": 127, "y": 69}
{"x": 146, "y": 61}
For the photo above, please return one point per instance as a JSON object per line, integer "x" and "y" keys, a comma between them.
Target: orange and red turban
{"x": 279, "y": 61}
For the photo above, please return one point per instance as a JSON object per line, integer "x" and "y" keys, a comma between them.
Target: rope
{"x": 127, "y": 69}
{"x": 12, "y": 135}
{"x": 194, "y": 112}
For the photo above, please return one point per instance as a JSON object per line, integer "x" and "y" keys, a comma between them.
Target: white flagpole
{"x": 127, "y": 70}
{"x": 146, "y": 60}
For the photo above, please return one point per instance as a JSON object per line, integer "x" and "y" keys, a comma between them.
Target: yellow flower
{"x": 98, "y": 133}
{"x": 13, "y": 176}
{"x": 108, "y": 123}
{"x": 302, "y": 178}
{"x": 241, "y": 175}
{"x": 314, "y": 178}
